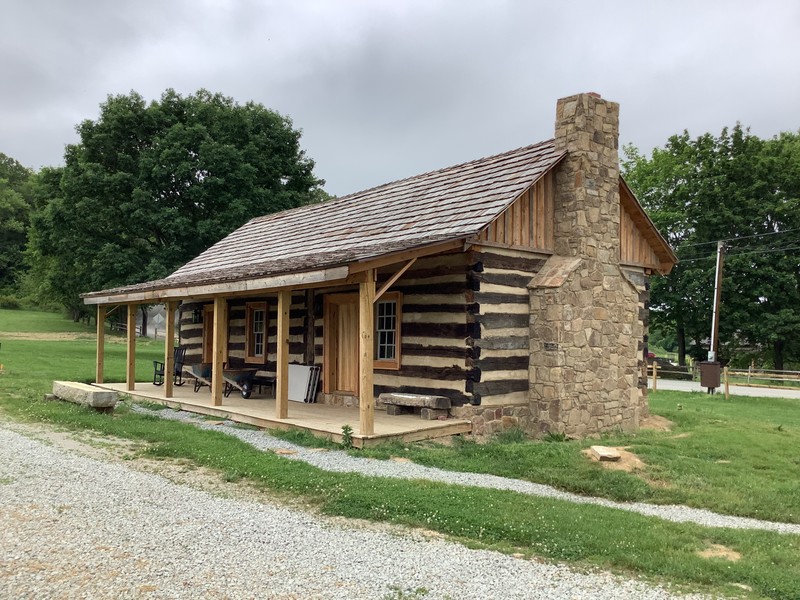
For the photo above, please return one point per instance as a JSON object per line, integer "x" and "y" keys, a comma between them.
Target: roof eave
{"x": 206, "y": 290}
{"x": 162, "y": 291}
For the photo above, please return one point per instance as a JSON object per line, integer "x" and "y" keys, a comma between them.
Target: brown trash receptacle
{"x": 710, "y": 374}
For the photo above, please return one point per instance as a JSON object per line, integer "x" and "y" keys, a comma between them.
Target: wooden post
{"x": 727, "y": 387}
{"x": 282, "y": 370}
{"x": 130, "y": 373}
{"x": 366, "y": 352}
{"x": 218, "y": 349}
{"x": 655, "y": 376}
{"x": 169, "y": 350}
{"x": 308, "y": 332}
{"x": 101, "y": 338}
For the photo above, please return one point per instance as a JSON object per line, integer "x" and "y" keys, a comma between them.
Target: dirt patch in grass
{"x": 656, "y": 423}
{"x": 719, "y": 551}
{"x": 627, "y": 462}
{"x": 46, "y": 336}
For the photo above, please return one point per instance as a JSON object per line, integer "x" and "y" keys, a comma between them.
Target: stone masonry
{"x": 587, "y": 322}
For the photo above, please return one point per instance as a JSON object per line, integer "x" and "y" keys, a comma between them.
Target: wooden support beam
{"x": 404, "y": 255}
{"x": 101, "y": 338}
{"x": 130, "y": 372}
{"x": 366, "y": 325}
{"x": 218, "y": 351}
{"x": 169, "y": 349}
{"x": 394, "y": 278}
{"x": 282, "y": 369}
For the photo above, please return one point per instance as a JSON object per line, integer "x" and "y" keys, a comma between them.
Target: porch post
{"x": 169, "y": 349}
{"x": 130, "y": 373}
{"x": 282, "y": 371}
{"x": 101, "y": 326}
{"x": 366, "y": 400}
{"x": 220, "y": 328}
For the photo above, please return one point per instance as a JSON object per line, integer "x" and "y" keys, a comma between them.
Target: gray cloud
{"x": 386, "y": 90}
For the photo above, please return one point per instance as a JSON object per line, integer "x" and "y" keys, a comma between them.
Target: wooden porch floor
{"x": 320, "y": 419}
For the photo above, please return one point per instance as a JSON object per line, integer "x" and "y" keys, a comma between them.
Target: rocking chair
{"x": 177, "y": 375}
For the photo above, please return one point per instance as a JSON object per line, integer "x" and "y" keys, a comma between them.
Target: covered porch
{"x": 319, "y": 419}
{"x": 352, "y": 348}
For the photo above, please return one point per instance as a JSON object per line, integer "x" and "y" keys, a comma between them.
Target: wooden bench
{"x": 85, "y": 395}
{"x": 429, "y": 408}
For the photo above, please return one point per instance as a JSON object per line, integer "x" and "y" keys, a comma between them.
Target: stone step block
{"x": 85, "y": 395}
{"x": 415, "y": 400}
{"x": 605, "y": 453}
{"x": 431, "y": 414}
{"x": 394, "y": 410}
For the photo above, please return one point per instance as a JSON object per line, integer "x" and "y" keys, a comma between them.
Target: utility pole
{"x": 712, "y": 350}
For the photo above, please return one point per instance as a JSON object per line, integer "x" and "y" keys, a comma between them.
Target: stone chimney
{"x": 586, "y": 328}
{"x": 587, "y": 183}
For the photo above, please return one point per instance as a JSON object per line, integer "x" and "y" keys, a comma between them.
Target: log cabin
{"x": 515, "y": 285}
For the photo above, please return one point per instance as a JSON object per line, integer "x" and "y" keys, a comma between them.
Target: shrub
{"x": 10, "y": 302}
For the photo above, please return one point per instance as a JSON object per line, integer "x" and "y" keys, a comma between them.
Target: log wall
{"x": 434, "y": 331}
{"x": 501, "y": 348}
{"x": 191, "y": 334}
{"x": 464, "y": 329}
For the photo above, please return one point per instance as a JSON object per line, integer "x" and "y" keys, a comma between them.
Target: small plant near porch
{"x": 347, "y": 436}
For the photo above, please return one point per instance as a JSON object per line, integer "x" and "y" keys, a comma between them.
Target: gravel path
{"x": 342, "y": 462}
{"x": 75, "y": 527}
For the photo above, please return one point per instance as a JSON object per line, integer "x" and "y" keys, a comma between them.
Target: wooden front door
{"x": 340, "y": 338}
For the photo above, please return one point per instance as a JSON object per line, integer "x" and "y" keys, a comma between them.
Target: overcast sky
{"x": 385, "y": 90}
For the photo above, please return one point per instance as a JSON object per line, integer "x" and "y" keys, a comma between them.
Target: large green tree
{"x": 15, "y": 208}
{"x": 151, "y": 185}
{"x": 735, "y": 187}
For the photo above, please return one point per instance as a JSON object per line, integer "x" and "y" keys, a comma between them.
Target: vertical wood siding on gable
{"x": 528, "y": 222}
{"x": 634, "y": 249}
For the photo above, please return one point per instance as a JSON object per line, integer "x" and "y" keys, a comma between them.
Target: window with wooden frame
{"x": 255, "y": 338}
{"x": 388, "y": 315}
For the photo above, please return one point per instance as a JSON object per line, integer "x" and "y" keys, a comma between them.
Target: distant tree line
{"x": 742, "y": 189}
{"x": 148, "y": 187}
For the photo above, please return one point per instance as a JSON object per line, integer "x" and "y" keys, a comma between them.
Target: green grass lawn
{"x": 738, "y": 457}
{"x": 33, "y": 364}
{"x": 30, "y": 321}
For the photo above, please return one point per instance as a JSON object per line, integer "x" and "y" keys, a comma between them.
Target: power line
{"x": 762, "y": 251}
{"x": 765, "y": 251}
{"x": 743, "y": 237}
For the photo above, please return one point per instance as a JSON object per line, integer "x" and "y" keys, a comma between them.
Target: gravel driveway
{"x": 76, "y": 527}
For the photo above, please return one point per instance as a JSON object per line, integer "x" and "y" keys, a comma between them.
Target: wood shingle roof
{"x": 451, "y": 203}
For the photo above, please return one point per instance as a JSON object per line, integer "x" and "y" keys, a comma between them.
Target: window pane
{"x": 256, "y": 331}
{"x": 386, "y": 324}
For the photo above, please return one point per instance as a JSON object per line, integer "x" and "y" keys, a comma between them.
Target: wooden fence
{"x": 752, "y": 377}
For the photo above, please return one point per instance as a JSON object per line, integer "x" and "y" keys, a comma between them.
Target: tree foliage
{"x": 735, "y": 187}
{"x": 15, "y": 208}
{"x": 150, "y": 186}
